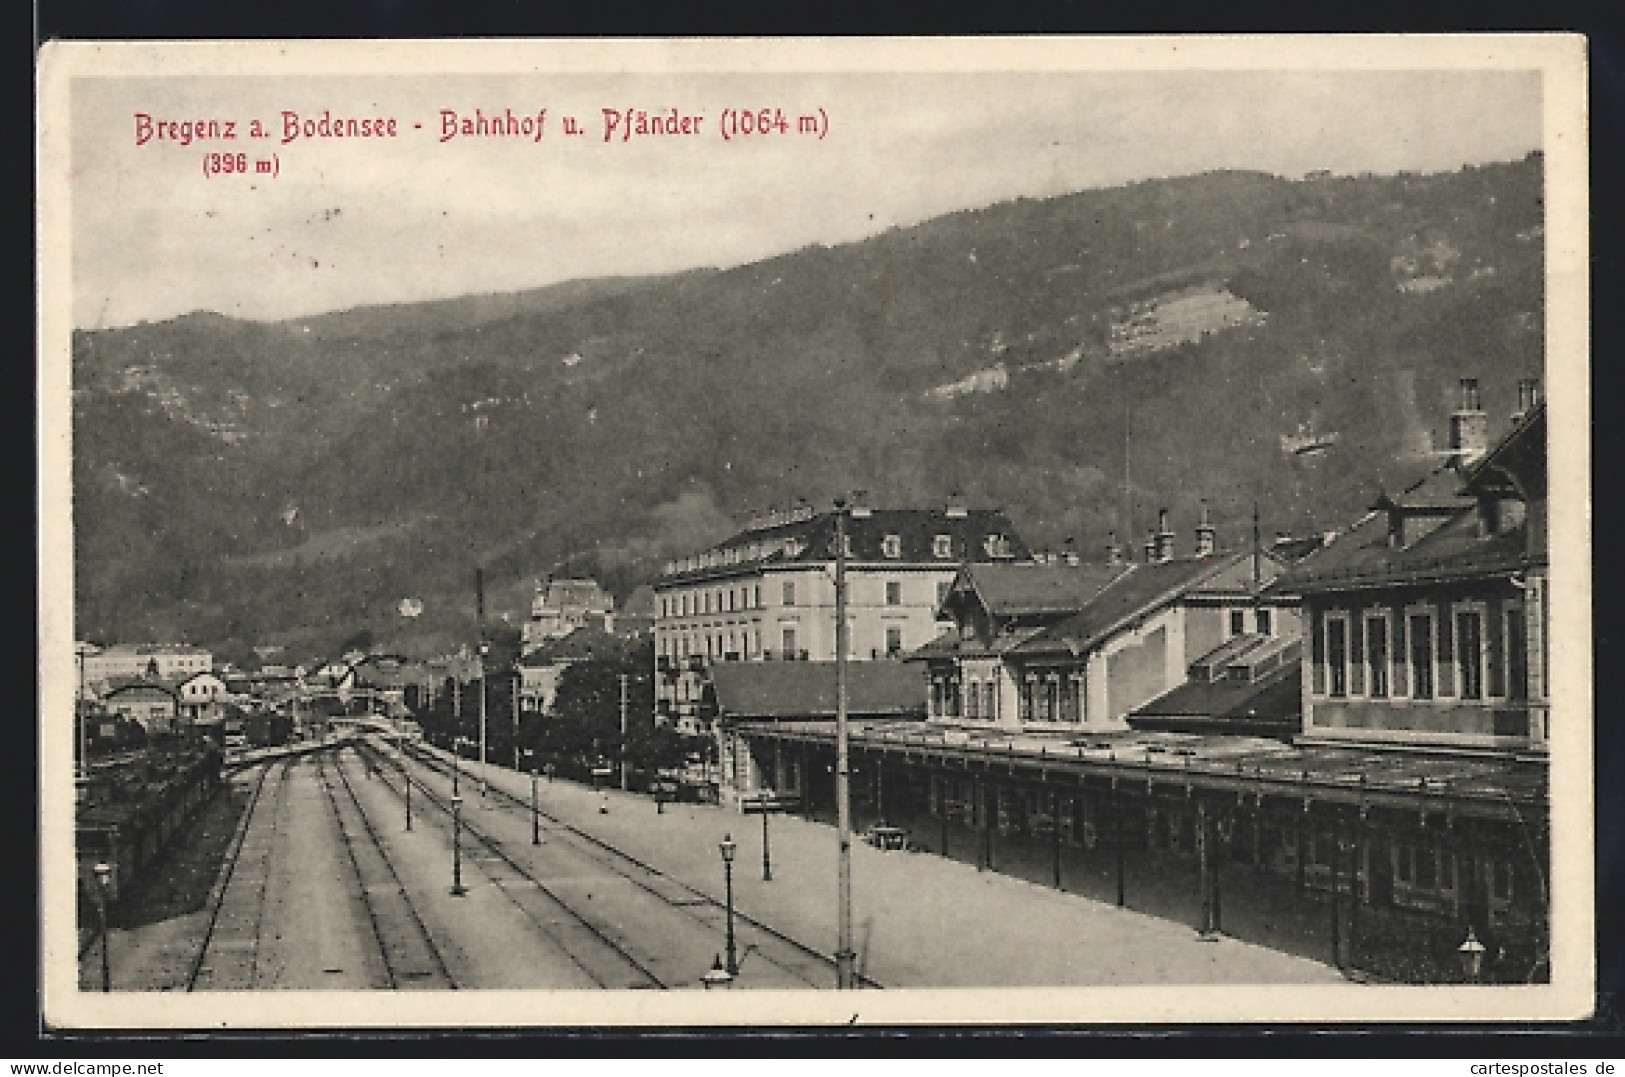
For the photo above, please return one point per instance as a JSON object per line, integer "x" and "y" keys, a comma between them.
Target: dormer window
{"x": 892, "y": 546}
{"x": 997, "y": 546}
{"x": 942, "y": 547}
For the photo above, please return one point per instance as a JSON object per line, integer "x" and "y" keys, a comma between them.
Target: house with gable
{"x": 1428, "y": 620}
{"x": 1082, "y": 647}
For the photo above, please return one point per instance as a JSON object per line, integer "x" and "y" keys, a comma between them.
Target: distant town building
{"x": 153, "y": 704}
{"x": 562, "y": 606}
{"x": 541, "y": 669}
{"x": 768, "y": 593}
{"x": 166, "y": 660}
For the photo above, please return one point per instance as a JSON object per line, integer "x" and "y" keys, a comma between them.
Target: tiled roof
{"x": 807, "y": 689}
{"x": 1132, "y": 594}
{"x": 1451, "y": 551}
{"x": 121, "y": 685}
{"x": 1276, "y": 699}
{"x": 1011, "y": 590}
{"x": 1364, "y": 557}
{"x": 1522, "y": 452}
{"x": 916, "y": 530}
{"x": 576, "y": 593}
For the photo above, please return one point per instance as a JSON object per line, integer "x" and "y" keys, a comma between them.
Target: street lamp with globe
{"x": 104, "y": 877}
{"x": 1472, "y": 955}
{"x": 728, "y": 849}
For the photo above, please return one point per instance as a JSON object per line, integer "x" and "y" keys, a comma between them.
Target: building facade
{"x": 768, "y": 593}
{"x": 171, "y": 661}
{"x": 1427, "y": 621}
{"x": 1083, "y": 646}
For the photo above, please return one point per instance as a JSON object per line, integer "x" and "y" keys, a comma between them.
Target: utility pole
{"x": 623, "y": 732}
{"x": 843, "y": 794}
{"x": 479, "y": 601}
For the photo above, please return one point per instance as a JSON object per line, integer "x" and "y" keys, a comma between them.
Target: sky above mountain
{"x": 382, "y": 220}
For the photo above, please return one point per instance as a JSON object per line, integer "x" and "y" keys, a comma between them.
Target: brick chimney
{"x": 1528, "y": 397}
{"x": 1206, "y": 535}
{"x": 1164, "y": 537}
{"x": 1469, "y": 426}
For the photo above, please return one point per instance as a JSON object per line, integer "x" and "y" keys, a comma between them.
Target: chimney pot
{"x": 1206, "y": 535}
{"x": 1469, "y": 426}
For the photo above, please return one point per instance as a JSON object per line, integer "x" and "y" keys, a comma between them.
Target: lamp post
{"x": 1472, "y": 955}
{"x": 535, "y": 805}
{"x": 728, "y": 848}
{"x": 767, "y": 860}
{"x": 844, "y": 963}
{"x": 485, "y": 649}
{"x": 406, "y": 776}
{"x": 457, "y": 887}
{"x": 717, "y": 976}
{"x": 104, "y": 875}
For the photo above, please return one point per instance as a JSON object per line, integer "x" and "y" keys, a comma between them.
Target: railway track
{"x": 796, "y": 960}
{"x": 411, "y": 959}
{"x": 228, "y": 957}
{"x": 593, "y": 943}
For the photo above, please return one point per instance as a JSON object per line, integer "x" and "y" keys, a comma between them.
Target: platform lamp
{"x": 728, "y": 848}
{"x": 104, "y": 880}
{"x": 1472, "y": 956}
{"x": 717, "y": 976}
{"x": 457, "y": 887}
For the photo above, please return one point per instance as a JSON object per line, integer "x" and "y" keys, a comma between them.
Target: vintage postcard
{"x": 1067, "y": 530}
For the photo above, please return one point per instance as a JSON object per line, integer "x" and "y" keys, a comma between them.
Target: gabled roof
{"x": 807, "y": 689}
{"x": 1521, "y": 454}
{"x": 1007, "y": 590}
{"x": 1131, "y": 595}
{"x": 1364, "y": 557}
{"x": 1455, "y": 549}
{"x": 586, "y": 644}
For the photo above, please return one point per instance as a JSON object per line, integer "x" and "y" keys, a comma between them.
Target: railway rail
{"x": 411, "y": 959}
{"x": 795, "y": 959}
{"x": 593, "y": 944}
{"x": 227, "y": 958}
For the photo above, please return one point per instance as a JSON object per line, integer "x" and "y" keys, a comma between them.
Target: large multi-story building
{"x": 171, "y": 661}
{"x": 768, "y": 592}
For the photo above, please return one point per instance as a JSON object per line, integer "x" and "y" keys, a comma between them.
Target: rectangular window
{"x": 973, "y": 701}
{"x": 1376, "y": 656}
{"x": 892, "y": 546}
{"x": 1516, "y": 656}
{"x": 894, "y": 593}
{"x": 1026, "y": 701}
{"x": 1469, "y": 653}
{"x": 1238, "y": 622}
{"x": 789, "y": 643}
{"x": 942, "y": 592}
{"x": 789, "y": 592}
{"x": 894, "y": 641}
{"x": 1266, "y": 622}
{"x": 942, "y": 547}
{"x": 1421, "y": 640}
{"x": 1337, "y": 652}
{"x": 990, "y": 697}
